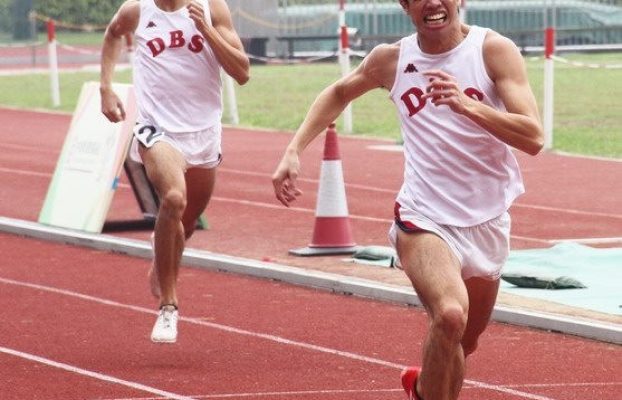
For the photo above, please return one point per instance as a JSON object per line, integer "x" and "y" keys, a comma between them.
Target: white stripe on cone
{"x": 332, "y": 233}
{"x": 331, "y": 200}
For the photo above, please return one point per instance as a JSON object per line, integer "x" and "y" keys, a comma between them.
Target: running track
{"x": 76, "y": 325}
{"x": 567, "y": 198}
{"x": 76, "y": 321}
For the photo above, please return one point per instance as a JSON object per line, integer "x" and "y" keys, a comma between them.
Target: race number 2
{"x": 148, "y": 135}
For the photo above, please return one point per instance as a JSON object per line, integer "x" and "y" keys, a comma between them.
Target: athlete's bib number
{"x": 148, "y": 135}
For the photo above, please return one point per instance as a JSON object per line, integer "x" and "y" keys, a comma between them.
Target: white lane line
{"x": 394, "y": 192}
{"x": 275, "y": 394}
{"x": 568, "y": 211}
{"x": 528, "y": 239}
{"x": 612, "y": 240}
{"x": 25, "y": 172}
{"x": 278, "y": 206}
{"x": 29, "y": 148}
{"x": 273, "y": 338}
{"x": 367, "y": 188}
{"x": 398, "y": 148}
{"x": 597, "y": 158}
{"x": 91, "y": 374}
{"x": 275, "y": 206}
{"x": 362, "y": 391}
{"x": 555, "y": 385}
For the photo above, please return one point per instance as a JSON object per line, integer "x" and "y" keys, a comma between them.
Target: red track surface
{"x": 22, "y": 57}
{"x": 212, "y": 358}
{"x": 567, "y": 197}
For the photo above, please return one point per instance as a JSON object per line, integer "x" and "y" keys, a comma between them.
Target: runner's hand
{"x": 284, "y": 179}
{"x": 197, "y": 14}
{"x": 112, "y": 107}
{"x": 443, "y": 90}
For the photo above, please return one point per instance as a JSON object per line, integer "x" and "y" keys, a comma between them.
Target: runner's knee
{"x": 450, "y": 321}
{"x": 173, "y": 203}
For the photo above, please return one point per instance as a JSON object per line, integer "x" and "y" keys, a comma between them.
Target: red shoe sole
{"x": 409, "y": 379}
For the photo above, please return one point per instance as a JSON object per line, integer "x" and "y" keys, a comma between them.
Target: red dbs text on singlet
{"x": 416, "y": 93}
{"x": 157, "y": 45}
{"x": 177, "y": 39}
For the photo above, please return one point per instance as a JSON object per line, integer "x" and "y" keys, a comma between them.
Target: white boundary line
{"x": 608, "y": 332}
{"x": 91, "y": 374}
{"x": 345, "y": 391}
{"x": 290, "y": 393}
{"x": 564, "y": 385}
{"x": 584, "y": 64}
{"x": 367, "y": 187}
{"x": 613, "y": 240}
{"x": 598, "y": 158}
{"x": 391, "y": 191}
{"x": 398, "y": 148}
{"x": 568, "y": 211}
{"x": 244, "y": 332}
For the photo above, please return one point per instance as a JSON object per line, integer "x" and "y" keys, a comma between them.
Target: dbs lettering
{"x": 176, "y": 40}
{"x": 407, "y": 99}
{"x": 474, "y": 94}
{"x": 412, "y": 98}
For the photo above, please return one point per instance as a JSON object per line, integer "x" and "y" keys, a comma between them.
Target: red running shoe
{"x": 409, "y": 381}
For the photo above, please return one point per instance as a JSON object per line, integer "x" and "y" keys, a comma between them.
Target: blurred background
{"x": 287, "y": 39}
{"x": 275, "y": 28}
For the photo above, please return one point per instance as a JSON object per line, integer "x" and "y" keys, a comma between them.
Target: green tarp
{"x": 600, "y": 270}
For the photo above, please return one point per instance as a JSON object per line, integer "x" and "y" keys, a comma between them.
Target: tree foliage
{"x": 95, "y": 12}
{"x": 5, "y": 15}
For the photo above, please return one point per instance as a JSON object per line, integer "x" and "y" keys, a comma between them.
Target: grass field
{"x": 588, "y": 118}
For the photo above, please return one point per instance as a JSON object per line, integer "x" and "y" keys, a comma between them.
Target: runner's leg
{"x": 436, "y": 277}
{"x": 200, "y": 186}
{"x": 165, "y": 168}
{"x": 482, "y": 298}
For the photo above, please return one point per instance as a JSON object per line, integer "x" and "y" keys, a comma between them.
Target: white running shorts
{"x": 201, "y": 149}
{"x": 481, "y": 249}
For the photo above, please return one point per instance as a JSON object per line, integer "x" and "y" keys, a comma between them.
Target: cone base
{"x": 332, "y": 232}
{"x": 323, "y": 251}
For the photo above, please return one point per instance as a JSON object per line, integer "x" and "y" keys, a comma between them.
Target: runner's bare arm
{"x": 375, "y": 71}
{"x": 520, "y": 126}
{"x": 124, "y": 22}
{"x": 222, "y": 38}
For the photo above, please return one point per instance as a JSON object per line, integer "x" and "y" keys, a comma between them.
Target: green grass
{"x": 587, "y": 117}
{"x": 33, "y": 91}
{"x": 94, "y": 38}
{"x": 587, "y": 101}
{"x": 77, "y": 38}
{"x": 279, "y": 97}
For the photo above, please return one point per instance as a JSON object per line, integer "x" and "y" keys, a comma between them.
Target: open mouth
{"x": 435, "y": 19}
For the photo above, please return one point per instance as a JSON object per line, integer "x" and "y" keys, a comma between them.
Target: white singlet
{"x": 176, "y": 74}
{"x": 456, "y": 173}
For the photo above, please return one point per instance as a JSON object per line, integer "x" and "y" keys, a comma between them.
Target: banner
{"x": 91, "y": 161}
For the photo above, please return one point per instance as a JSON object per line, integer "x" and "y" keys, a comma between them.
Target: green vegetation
{"x": 587, "y": 115}
{"x": 76, "y": 38}
{"x": 94, "y": 12}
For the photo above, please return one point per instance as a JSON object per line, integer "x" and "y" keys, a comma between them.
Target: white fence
{"x": 272, "y": 27}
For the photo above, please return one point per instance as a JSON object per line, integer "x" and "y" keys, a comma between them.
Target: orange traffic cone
{"x": 332, "y": 233}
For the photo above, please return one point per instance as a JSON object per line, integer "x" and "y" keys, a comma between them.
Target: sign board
{"x": 91, "y": 161}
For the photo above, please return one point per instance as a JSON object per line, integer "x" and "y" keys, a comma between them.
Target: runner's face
{"x": 432, "y": 15}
